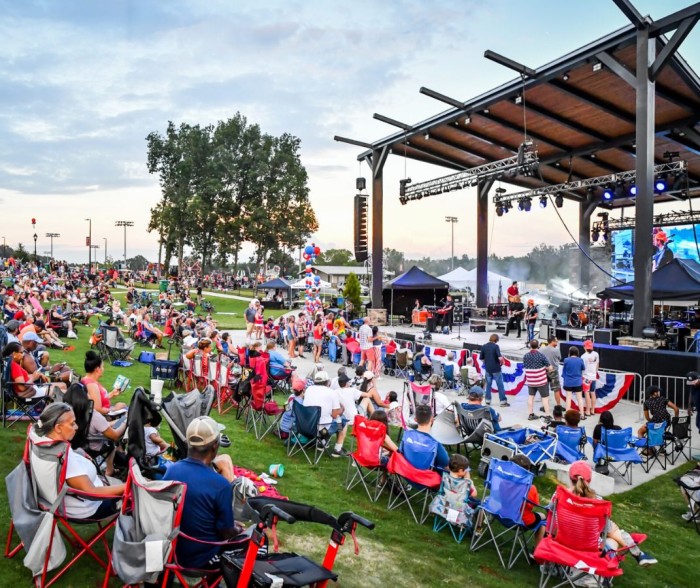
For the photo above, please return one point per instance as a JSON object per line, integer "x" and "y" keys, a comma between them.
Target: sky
{"x": 82, "y": 83}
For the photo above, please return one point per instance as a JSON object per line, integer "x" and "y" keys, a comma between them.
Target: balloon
{"x": 33, "y": 221}
{"x": 308, "y": 269}
{"x": 306, "y": 256}
{"x": 317, "y": 250}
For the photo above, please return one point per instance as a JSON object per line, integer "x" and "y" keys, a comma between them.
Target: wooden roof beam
{"x": 593, "y": 101}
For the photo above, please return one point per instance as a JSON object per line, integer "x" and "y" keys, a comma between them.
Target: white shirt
{"x": 151, "y": 448}
{"x": 81, "y": 466}
{"x": 365, "y": 334}
{"x": 324, "y": 397}
{"x": 348, "y": 398}
{"x": 591, "y": 360}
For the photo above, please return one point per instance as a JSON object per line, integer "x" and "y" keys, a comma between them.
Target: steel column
{"x": 378, "y": 161}
{"x": 644, "y": 206}
{"x": 482, "y": 243}
{"x": 585, "y": 210}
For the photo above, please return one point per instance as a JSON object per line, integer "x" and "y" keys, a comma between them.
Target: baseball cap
{"x": 19, "y": 315}
{"x": 368, "y": 375}
{"x": 580, "y": 469}
{"x": 32, "y": 336}
{"x": 12, "y": 325}
{"x": 321, "y": 377}
{"x": 588, "y": 344}
{"x": 343, "y": 379}
{"x": 202, "y": 431}
{"x": 476, "y": 392}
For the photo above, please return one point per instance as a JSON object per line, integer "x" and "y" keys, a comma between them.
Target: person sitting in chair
{"x": 320, "y": 394}
{"x": 24, "y": 385}
{"x": 419, "y": 447}
{"x": 656, "y": 409}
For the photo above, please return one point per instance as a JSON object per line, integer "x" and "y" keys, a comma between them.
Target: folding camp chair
{"x": 224, "y": 392}
{"x": 45, "y": 462}
{"x": 571, "y": 443}
{"x": 689, "y": 484}
{"x": 420, "y": 394}
{"x": 262, "y": 412}
{"x": 304, "y": 435}
{"x": 411, "y": 486}
{"x": 504, "y": 501}
{"x": 402, "y": 364}
{"x": 572, "y": 549}
{"x": 213, "y": 370}
{"x": 186, "y": 373}
{"x": 614, "y": 447}
{"x": 452, "y": 507}
{"x": 420, "y": 372}
{"x": 199, "y": 378}
{"x": 365, "y": 464}
{"x": 678, "y": 439}
{"x": 651, "y": 446}
{"x": 150, "y": 514}
{"x": 117, "y": 346}
{"x": 474, "y": 425}
{"x": 14, "y": 407}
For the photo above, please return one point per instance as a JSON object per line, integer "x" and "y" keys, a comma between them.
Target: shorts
{"x": 333, "y": 428}
{"x": 573, "y": 388}
{"x": 534, "y": 524}
{"x": 301, "y": 340}
{"x": 318, "y": 342}
{"x": 543, "y": 390}
{"x": 554, "y": 382}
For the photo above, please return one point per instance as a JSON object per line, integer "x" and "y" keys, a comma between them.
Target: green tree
{"x": 393, "y": 261}
{"x": 336, "y": 257}
{"x": 281, "y": 258}
{"x": 351, "y": 291}
{"x": 137, "y": 263}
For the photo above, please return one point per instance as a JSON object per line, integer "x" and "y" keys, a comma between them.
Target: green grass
{"x": 398, "y": 552}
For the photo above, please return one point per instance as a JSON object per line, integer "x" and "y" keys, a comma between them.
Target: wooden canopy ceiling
{"x": 579, "y": 114}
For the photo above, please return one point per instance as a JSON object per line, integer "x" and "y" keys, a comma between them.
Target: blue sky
{"x": 84, "y": 82}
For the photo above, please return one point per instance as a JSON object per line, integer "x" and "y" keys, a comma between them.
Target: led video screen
{"x": 669, "y": 242}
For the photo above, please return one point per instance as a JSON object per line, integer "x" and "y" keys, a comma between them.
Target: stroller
{"x": 288, "y": 569}
{"x": 537, "y": 446}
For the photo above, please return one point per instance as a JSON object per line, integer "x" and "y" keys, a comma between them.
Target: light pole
{"x": 89, "y": 244}
{"x": 123, "y": 223}
{"x": 35, "y": 238}
{"x": 95, "y": 247}
{"x": 105, "y": 240}
{"x": 4, "y": 247}
{"x": 452, "y": 220}
{"x": 51, "y": 236}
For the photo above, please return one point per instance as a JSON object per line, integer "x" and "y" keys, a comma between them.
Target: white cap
{"x": 321, "y": 377}
{"x": 368, "y": 375}
{"x": 202, "y": 431}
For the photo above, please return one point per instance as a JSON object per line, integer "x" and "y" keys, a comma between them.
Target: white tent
{"x": 459, "y": 279}
{"x": 301, "y": 285}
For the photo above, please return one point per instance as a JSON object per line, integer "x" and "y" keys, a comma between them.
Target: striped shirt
{"x": 535, "y": 365}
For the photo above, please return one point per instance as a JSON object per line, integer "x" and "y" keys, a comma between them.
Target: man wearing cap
{"x": 475, "y": 402}
{"x": 591, "y": 362}
{"x": 320, "y": 394}
{"x": 663, "y": 254}
{"x": 530, "y": 319}
{"x": 656, "y": 408}
{"x": 208, "y": 510}
{"x": 12, "y": 327}
{"x": 36, "y": 357}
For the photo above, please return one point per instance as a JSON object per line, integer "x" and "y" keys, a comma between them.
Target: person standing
{"x": 591, "y": 362}
{"x": 553, "y": 354}
{"x": 493, "y": 360}
{"x": 513, "y": 291}
{"x": 517, "y": 311}
{"x": 366, "y": 351}
{"x": 573, "y": 379}
{"x": 447, "y": 313}
{"x": 531, "y": 319}
{"x": 536, "y": 366}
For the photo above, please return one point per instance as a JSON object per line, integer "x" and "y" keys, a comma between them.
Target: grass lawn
{"x": 398, "y": 552}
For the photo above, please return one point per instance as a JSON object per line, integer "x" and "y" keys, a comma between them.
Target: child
{"x": 155, "y": 445}
{"x": 317, "y": 334}
{"x": 531, "y": 518}
{"x": 258, "y": 324}
{"x": 388, "y": 445}
{"x": 580, "y": 475}
{"x": 457, "y": 493}
{"x": 287, "y": 421}
{"x": 393, "y": 411}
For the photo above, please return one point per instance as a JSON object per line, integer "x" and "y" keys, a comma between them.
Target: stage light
{"x": 559, "y": 200}
{"x": 633, "y": 190}
{"x": 527, "y": 204}
{"x": 566, "y": 76}
{"x": 402, "y": 186}
{"x": 620, "y": 188}
{"x": 499, "y": 210}
{"x": 660, "y": 185}
{"x": 608, "y": 193}
{"x": 597, "y": 66}
{"x": 521, "y": 205}
{"x": 507, "y": 206}
{"x": 543, "y": 202}
{"x": 518, "y": 99}
{"x": 467, "y": 120}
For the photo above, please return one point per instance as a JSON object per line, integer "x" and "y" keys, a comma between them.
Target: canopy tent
{"x": 458, "y": 278}
{"x": 677, "y": 280}
{"x": 415, "y": 284}
{"x": 301, "y": 285}
{"x": 278, "y": 284}
{"x": 461, "y": 279}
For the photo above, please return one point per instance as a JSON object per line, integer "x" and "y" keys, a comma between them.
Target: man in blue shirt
{"x": 493, "y": 360}
{"x": 279, "y": 364}
{"x": 419, "y": 447}
{"x": 208, "y": 510}
{"x": 475, "y": 399}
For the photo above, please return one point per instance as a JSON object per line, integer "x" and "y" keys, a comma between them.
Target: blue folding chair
{"x": 448, "y": 373}
{"x": 419, "y": 449}
{"x": 614, "y": 448}
{"x": 303, "y": 436}
{"x": 571, "y": 443}
{"x": 505, "y": 497}
{"x": 651, "y": 446}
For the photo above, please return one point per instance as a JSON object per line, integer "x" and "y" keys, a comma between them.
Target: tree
{"x": 351, "y": 291}
{"x": 281, "y": 258}
{"x": 336, "y": 257}
{"x": 393, "y": 261}
{"x": 137, "y": 263}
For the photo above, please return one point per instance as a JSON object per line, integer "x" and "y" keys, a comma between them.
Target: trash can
{"x": 163, "y": 286}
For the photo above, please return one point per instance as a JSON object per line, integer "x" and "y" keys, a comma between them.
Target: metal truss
{"x": 607, "y": 223}
{"x": 675, "y": 167}
{"x": 524, "y": 163}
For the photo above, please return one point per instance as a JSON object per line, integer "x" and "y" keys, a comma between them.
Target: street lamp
{"x": 452, "y": 220}
{"x": 89, "y": 243}
{"x": 35, "y": 238}
{"x": 51, "y": 236}
{"x": 105, "y": 240}
{"x": 4, "y": 247}
{"x": 123, "y": 223}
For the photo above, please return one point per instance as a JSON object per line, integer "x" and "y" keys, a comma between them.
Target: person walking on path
{"x": 493, "y": 360}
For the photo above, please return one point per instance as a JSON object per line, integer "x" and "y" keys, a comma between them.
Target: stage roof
{"x": 581, "y": 119}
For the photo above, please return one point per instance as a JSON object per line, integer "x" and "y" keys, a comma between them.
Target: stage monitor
{"x": 669, "y": 242}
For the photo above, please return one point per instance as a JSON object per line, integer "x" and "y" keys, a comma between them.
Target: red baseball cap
{"x": 588, "y": 344}
{"x": 580, "y": 469}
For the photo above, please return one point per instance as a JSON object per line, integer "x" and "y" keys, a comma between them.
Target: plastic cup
{"x": 157, "y": 391}
{"x": 276, "y": 470}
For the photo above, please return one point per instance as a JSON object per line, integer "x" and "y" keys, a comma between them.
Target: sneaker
{"x": 541, "y": 408}
{"x": 342, "y": 452}
{"x": 532, "y": 417}
{"x": 644, "y": 559}
{"x": 504, "y": 404}
{"x": 687, "y": 516}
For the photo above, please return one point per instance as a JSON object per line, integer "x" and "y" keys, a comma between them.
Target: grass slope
{"x": 398, "y": 552}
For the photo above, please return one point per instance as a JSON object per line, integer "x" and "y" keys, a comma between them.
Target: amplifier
{"x": 607, "y": 336}
{"x": 498, "y": 310}
{"x": 546, "y": 331}
{"x": 562, "y": 333}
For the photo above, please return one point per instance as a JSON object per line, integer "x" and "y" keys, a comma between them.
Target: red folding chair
{"x": 46, "y": 462}
{"x": 261, "y": 409}
{"x": 573, "y": 546}
{"x": 365, "y": 466}
{"x": 411, "y": 486}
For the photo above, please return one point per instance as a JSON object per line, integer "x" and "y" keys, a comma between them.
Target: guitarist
{"x": 517, "y": 312}
{"x": 513, "y": 292}
{"x": 447, "y": 313}
{"x": 531, "y": 319}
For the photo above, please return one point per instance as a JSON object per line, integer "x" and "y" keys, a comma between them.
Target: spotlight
{"x": 527, "y": 204}
{"x": 597, "y": 66}
{"x": 402, "y": 186}
{"x": 559, "y": 199}
{"x": 660, "y": 185}
{"x": 499, "y": 210}
{"x": 507, "y": 206}
{"x": 543, "y": 202}
{"x": 518, "y": 99}
{"x": 360, "y": 183}
{"x": 608, "y": 193}
{"x": 467, "y": 120}
{"x": 633, "y": 190}
{"x": 566, "y": 76}
{"x": 521, "y": 204}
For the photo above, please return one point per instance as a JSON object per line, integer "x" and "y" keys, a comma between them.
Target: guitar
{"x": 519, "y": 295}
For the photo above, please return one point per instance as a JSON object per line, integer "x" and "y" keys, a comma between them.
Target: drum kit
{"x": 591, "y": 314}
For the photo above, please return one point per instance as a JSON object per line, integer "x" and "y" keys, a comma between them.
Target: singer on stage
{"x": 516, "y": 313}
{"x": 447, "y": 312}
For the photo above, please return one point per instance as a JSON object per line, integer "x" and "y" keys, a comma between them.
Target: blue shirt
{"x": 495, "y": 417}
{"x": 277, "y": 362}
{"x": 208, "y": 508}
{"x": 572, "y": 373}
{"x": 423, "y": 451}
{"x": 490, "y": 354}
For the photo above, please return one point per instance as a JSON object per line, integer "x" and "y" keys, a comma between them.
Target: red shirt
{"x": 532, "y": 496}
{"x": 513, "y": 291}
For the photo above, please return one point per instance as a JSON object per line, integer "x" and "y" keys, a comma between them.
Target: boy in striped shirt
{"x": 536, "y": 366}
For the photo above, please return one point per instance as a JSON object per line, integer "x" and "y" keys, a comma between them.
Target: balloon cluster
{"x": 313, "y": 281}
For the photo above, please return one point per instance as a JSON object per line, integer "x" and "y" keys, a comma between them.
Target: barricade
{"x": 672, "y": 387}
